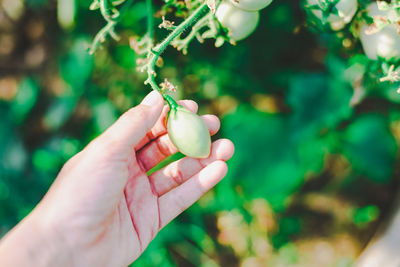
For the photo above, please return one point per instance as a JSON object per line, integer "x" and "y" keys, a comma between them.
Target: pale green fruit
{"x": 189, "y": 133}
{"x": 384, "y": 43}
{"x": 239, "y": 23}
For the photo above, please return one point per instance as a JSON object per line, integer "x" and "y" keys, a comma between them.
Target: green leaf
{"x": 318, "y": 103}
{"x": 36, "y": 4}
{"x": 370, "y": 147}
{"x": 59, "y": 112}
{"x": 125, "y": 56}
{"x": 265, "y": 155}
{"x": 25, "y": 99}
{"x": 365, "y": 215}
{"x": 14, "y": 156}
{"x": 104, "y": 114}
{"x": 45, "y": 160}
{"x": 76, "y": 67}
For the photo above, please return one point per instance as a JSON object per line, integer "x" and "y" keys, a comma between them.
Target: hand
{"x": 103, "y": 209}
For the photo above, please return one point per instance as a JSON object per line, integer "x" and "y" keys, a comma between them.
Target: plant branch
{"x": 156, "y": 52}
{"x": 112, "y": 17}
{"x": 182, "y": 44}
{"x": 150, "y": 19}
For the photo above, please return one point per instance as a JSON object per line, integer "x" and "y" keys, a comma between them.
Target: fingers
{"x": 162, "y": 147}
{"x": 179, "y": 199}
{"x": 159, "y": 127}
{"x": 133, "y": 125}
{"x": 180, "y": 171}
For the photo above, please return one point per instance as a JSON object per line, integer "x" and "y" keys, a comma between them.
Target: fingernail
{"x": 151, "y": 99}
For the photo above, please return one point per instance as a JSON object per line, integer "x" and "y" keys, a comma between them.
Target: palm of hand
{"x": 112, "y": 209}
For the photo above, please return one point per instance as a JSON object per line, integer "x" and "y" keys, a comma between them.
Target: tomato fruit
{"x": 188, "y": 133}
{"x": 239, "y": 23}
{"x": 251, "y": 5}
{"x": 346, "y": 10}
{"x": 385, "y": 43}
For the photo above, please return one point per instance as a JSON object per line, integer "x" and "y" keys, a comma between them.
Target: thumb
{"x": 133, "y": 125}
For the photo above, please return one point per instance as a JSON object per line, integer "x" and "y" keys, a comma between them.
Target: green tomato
{"x": 386, "y": 42}
{"x": 239, "y": 23}
{"x": 66, "y": 13}
{"x": 188, "y": 133}
{"x": 251, "y": 5}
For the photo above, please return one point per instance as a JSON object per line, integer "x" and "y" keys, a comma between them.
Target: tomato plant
{"x": 313, "y": 116}
{"x": 204, "y": 21}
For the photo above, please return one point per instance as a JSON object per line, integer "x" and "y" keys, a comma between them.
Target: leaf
{"x": 25, "y": 99}
{"x": 104, "y": 114}
{"x": 370, "y": 147}
{"x": 365, "y": 215}
{"x": 13, "y": 156}
{"x": 45, "y": 160}
{"x": 125, "y": 56}
{"x": 318, "y": 103}
{"x": 59, "y": 112}
{"x": 265, "y": 162}
{"x": 76, "y": 67}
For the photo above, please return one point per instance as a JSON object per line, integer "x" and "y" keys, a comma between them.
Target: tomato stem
{"x": 150, "y": 20}
{"x": 156, "y": 51}
{"x": 171, "y": 102}
{"x": 112, "y": 18}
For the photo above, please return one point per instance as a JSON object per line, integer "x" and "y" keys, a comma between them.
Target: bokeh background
{"x": 314, "y": 174}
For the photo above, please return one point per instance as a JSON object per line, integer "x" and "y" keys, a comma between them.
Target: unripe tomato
{"x": 346, "y": 8}
{"x": 240, "y": 23}
{"x": 189, "y": 133}
{"x": 251, "y": 5}
{"x": 66, "y": 13}
{"x": 384, "y": 43}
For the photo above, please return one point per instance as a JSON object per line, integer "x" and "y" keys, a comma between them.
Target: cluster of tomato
{"x": 377, "y": 26}
{"x": 240, "y": 17}
{"x": 380, "y": 39}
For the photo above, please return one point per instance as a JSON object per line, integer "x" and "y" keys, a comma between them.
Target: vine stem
{"x": 112, "y": 21}
{"x": 150, "y": 20}
{"x": 181, "y": 44}
{"x": 155, "y": 53}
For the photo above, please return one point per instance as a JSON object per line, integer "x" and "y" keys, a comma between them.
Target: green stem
{"x": 183, "y": 43}
{"x": 111, "y": 23}
{"x": 156, "y": 52}
{"x": 150, "y": 19}
{"x": 171, "y": 102}
{"x": 105, "y": 9}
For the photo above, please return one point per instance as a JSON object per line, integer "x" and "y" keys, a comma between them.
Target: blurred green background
{"x": 314, "y": 172}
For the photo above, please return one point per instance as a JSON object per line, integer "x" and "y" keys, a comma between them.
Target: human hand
{"x": 103, "y": 210}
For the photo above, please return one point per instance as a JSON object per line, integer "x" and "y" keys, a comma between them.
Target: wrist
{"x": 33, "y": 243}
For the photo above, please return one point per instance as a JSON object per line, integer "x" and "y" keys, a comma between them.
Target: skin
{"x": 103, "y": 210}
